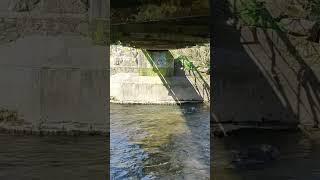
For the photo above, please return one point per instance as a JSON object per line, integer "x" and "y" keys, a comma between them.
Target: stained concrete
{"x": 54, "y": 76}
{"x": 129, "y": 85}
{"x": 52, "y": 79}
{"x": 130, "y": 88}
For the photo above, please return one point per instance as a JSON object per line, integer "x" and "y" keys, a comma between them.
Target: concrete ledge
{"x": 154, "y": 103}
{"x": 130, "y": 88}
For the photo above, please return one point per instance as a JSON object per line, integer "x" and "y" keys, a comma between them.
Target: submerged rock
{"x": 255, "y": 155}
{"x": 190, "y": 110}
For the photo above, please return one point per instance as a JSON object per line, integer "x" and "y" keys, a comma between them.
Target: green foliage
{"x": 251, "y": 13}
{"x": 186, "y": 63}
{"x": 254, "y": 13}
{"x": 198, "y": 55}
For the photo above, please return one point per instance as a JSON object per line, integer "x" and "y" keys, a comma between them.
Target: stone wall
{"x": 53, "y": 74}
{"x": 124, "y": 59}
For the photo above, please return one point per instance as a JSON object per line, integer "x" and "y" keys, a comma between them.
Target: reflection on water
{"x": 53, "y": 157}
{"x": 159, "y": 142}
{"x": 298, "y": 159}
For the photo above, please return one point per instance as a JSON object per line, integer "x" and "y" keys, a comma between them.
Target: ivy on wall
{"x": 255, "y": 13}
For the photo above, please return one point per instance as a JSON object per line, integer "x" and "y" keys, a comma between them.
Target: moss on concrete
{"x": 156, "y": 71}
{"x": 99, "y": 31}
{"x": 166, "y": 70}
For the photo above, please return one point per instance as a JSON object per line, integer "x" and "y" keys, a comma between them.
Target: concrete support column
{"x": 53, "y": 74}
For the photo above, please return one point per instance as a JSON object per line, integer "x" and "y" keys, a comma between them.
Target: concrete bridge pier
{"x": 264, "y": 77}
{"x": 54, "y": 65}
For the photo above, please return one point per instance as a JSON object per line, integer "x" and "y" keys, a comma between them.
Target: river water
{"x": 298, "y": 158}
{"x": 160, "y": 142}
{"x": 53, "y": 157}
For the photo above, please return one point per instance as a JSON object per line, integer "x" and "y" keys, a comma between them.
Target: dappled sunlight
{"x": 170, "y": 138}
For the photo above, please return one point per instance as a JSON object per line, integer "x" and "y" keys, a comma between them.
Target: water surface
{"x": 299, "y": 156}
{"x": 53, "y": 157}
{"x": 159, "y": 142}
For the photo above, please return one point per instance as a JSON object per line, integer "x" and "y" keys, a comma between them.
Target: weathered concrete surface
{"x": 128, "y": 85}
{"x": 132, "y": 88}
{"x": 156, "y": 63}
{"x": 264, "y": 76}
{"x": 52, "y": 73}
{"x": 124, "y": 59}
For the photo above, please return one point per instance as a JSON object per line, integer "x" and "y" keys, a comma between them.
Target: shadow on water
{"x": 53, "y": 157}
{"x": 166, "y": 142}
{"x": 184, "y": 67}
{"x": 264, "y": 77}
{"x": 152, "y": 141}
{"x": 298, "y": 156}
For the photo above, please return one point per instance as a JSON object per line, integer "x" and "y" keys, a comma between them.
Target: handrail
{"x": 188, "y": 65}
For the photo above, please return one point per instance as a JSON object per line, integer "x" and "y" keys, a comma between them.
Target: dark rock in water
{"x": 190, "y": 110}
{"x": 255, "y": 155}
